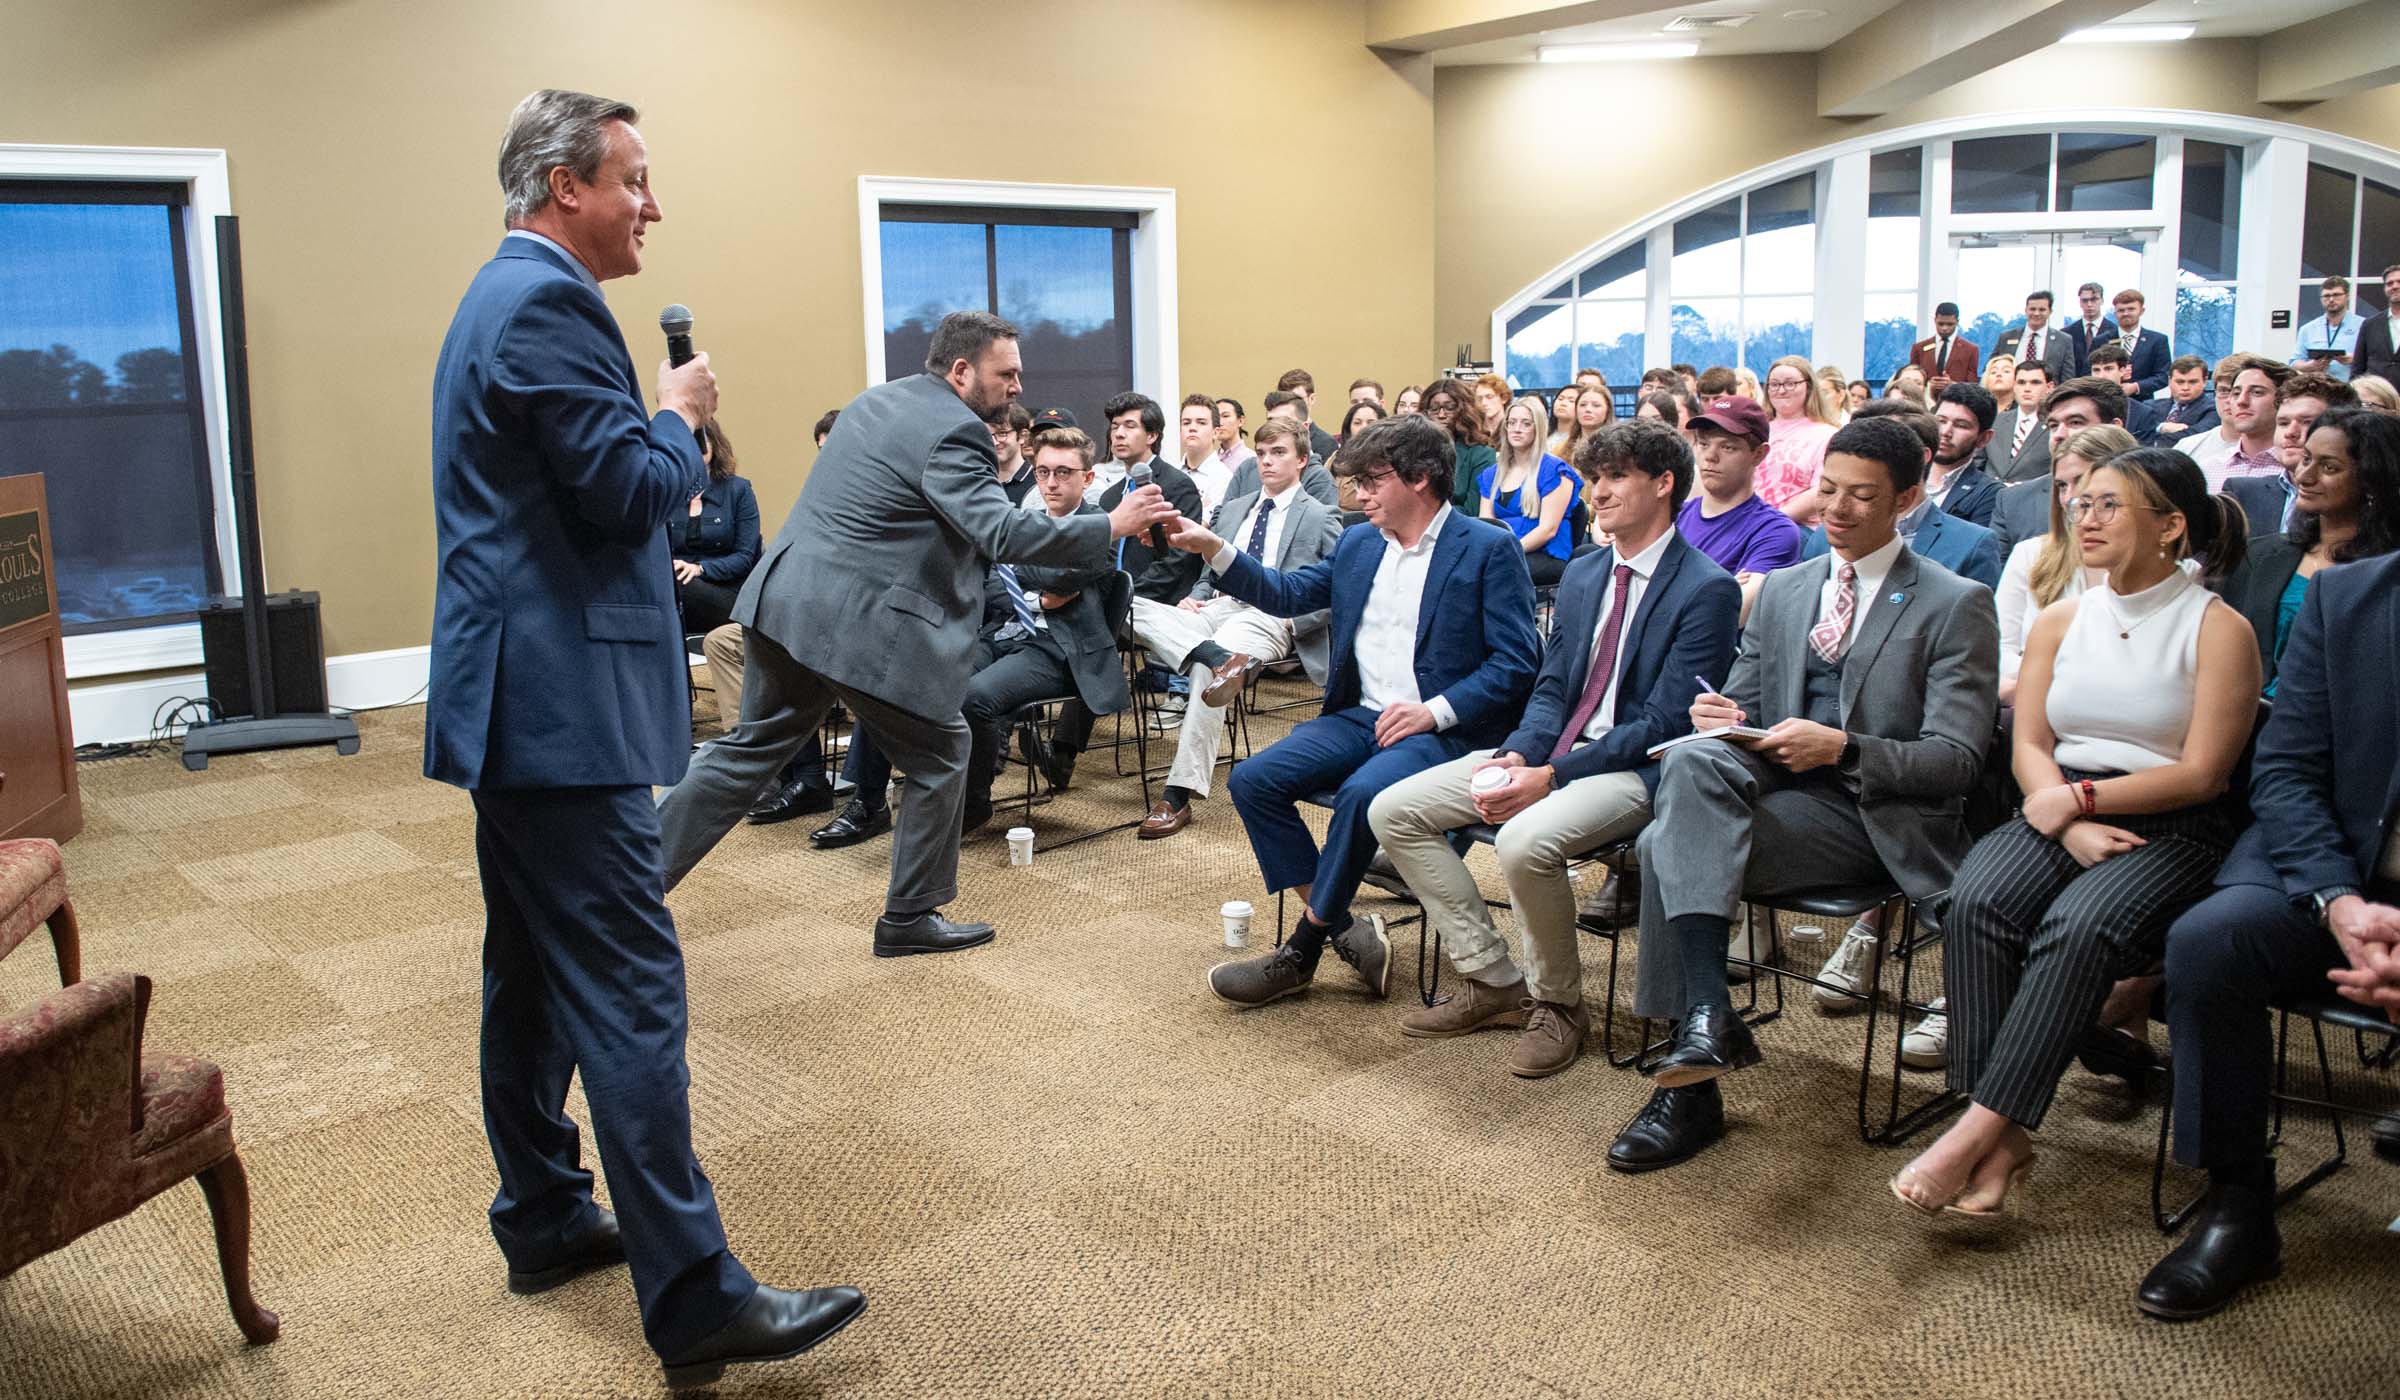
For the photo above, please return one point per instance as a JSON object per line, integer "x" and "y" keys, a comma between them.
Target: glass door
{"x": 1997, "y": 271}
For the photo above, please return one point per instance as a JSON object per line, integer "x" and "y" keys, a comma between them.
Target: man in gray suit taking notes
{"x": 1876, "y": 674}
{"x": 871, "y": 595}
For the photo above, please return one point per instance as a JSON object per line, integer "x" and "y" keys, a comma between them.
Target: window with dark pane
{"x": 1063, "y": 277}
{"x": 2327, "y": 216}
{"x": 2212, "y": 209}
{"x": 99, "y": 392}
{"x": 2000, "y": 175}
{"x": 2378, "y": 240}
{"x": 2100, "y": 171}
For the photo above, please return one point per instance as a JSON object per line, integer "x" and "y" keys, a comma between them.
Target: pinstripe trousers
{"x": 2033, "y": 940}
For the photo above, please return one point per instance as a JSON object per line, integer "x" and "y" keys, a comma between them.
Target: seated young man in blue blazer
{"x": 1961, "y": 546}
{"x": 1433, "y": 650}
{"x": 1639, "y": 623}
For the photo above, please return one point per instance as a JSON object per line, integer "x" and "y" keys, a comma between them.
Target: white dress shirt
{"x": 1643, "y": 565}
{"x": 1386, "y": 650}
{"x": 1870, "y": 574}
{"x": 2031, "y": 345}
{"x": 1212, "y": 477}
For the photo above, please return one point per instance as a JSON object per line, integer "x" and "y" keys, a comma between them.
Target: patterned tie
{"x": 1016, "y": 596}
{"x": 1831, "y": 635}
{"x": 1604, "y": 665}
{"x": 2024, "y": 431}
{"x": 1258, "y": 530}
{"x": 2033, "y": 346}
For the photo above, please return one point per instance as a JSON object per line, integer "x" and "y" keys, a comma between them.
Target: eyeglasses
{"x": 2099, "y": 509}
{"x": 1787, "y": 384}
{"x": 1375, "y": 479}
{"x": 1056, "y": 473}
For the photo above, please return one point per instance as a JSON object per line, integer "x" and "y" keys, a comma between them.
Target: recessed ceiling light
{"x": 1611, "y": 53}
{"x": 2132, "y": 34}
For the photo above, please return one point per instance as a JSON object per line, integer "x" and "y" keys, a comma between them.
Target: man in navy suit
{"x": 1433, "y": 648}
{"x": 1955, "y": 480}
{"x": 2308, "y": 903}
{"x": 1639, "y": 623}
{"x": 2091, "y": 329}
{"x": 1961, "y": 546}
{"x": 2149, "y": 350}
{"x": 557, "y": 699}
{"x": 2142, "y": 416}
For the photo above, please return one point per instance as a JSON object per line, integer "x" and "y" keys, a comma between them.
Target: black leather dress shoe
{"x": 2386, "y": 1133}
{"x": 598, "y": 1247}
{"x": 1056, "y": 766}
{"x": 1673, "y": 1126}
{"x": 810, "y": 794}
{"x": 857, "y": 822}
{"x": 1711, "y": 1041}
{"x": 2118, "y": 1054}
{"x": 775, "y": 1324}
{"x": 2233, "y": 1244}
{"x": 928, "y": 932}
{"x": 972, "y": 814}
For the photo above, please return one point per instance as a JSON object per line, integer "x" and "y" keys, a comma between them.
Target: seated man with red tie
{"x": 1945, "y": 357}
{"x": 1639, "y": 625}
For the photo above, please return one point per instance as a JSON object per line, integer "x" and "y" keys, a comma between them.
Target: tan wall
{"x": 1536, "y": 162}
{"x": 362, "y": 135}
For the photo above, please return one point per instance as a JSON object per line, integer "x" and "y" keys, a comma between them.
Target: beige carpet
{"x": 1056, "y": 1164}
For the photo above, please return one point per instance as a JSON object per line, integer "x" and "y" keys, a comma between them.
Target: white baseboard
{"x": 122, "y": 712}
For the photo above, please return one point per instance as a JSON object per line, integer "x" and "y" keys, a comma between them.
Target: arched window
{"x": 1841, "y": 254}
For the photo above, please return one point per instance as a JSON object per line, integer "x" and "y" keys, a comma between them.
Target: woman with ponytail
{"x": 2134, "y": 701}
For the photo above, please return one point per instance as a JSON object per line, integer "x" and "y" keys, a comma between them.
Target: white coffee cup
{"x": 1805, "y": 933}
{"x": 1237, "y": 923}
{"x": 1488, "y": 780}
{"x": 1020, "y": 845}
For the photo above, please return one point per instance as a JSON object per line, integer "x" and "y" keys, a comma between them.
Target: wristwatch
{"x": 2322, "y": 900}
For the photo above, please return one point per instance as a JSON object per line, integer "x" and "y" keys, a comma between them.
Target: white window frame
{"x": 208, "y": 192}
{"x": 1156, "y": 367}
{"x": 2275, "y": 156}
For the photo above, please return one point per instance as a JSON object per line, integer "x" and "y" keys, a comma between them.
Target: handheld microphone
{"x": 676, "y": 321}
{"x": 1138, "y": 476}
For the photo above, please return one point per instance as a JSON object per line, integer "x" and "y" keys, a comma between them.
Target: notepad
{"x": 1731, "y": 731}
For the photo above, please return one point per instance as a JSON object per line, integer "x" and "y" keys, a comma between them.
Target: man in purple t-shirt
{"x": 1724, "y": 519}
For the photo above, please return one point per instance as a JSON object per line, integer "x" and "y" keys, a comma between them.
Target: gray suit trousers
{"x": 1728, "y": 826}
{"x": 783, "y": 702}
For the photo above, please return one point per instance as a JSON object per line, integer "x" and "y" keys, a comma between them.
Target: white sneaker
{"x": 1928, "y": 1046}
{"x": 1750, "y": 941}
{"x": 1169, "y": 714}
{"x": 1847, "y": 973}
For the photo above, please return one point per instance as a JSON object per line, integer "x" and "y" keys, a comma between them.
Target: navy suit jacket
{"x": 2151, "y": 356}
{"x": 1961, "y": 546}
{"x": 2326, "y": 778}
{"x": 2198, "y": 417}
{"x": 1685, "y": 627}
{"x": 1973, "y": 496}
{"x": 2083, "y": 344}
{"x": 556, "y": 657}
{"x": 1476, "y": 644}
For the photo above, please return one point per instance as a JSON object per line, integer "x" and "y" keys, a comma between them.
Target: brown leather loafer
{"x": 1228, "y": 682}
{"x": 1165, "y": 820}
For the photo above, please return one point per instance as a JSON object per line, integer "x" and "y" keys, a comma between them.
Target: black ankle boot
{"x": 2233, "y": 1244}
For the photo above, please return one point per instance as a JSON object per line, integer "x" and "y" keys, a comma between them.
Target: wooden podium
{"x": 38, "y": 794}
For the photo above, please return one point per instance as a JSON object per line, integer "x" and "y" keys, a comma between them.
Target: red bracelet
{"x": 2087, "y": 797}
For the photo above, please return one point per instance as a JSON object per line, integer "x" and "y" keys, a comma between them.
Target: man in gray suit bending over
{"x": 870, "y": 595}
{"x": 1876, "y": 674}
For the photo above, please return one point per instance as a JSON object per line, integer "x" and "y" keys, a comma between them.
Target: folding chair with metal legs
{"x": 2361, "y": 1023}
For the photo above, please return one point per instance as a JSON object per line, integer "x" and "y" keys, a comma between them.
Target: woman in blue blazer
{"x": 715, "y": 541}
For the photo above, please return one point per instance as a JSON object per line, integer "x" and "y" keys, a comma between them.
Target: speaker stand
{"x": 281, "y": 732}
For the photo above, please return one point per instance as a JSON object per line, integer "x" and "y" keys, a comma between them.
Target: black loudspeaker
{"x": 295, "y": 653}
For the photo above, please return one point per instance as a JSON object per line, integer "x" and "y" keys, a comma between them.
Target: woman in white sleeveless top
{"x": 2134, "y": 702}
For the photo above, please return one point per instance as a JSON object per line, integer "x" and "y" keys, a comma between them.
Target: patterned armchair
{"x": 90, "y": 1127}
{"x": 33, "y": 891}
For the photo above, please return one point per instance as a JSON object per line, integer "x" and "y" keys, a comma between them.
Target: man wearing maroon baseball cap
{"x": 1725, "y": 519}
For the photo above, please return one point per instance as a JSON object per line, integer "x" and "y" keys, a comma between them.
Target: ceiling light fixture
{"x": 1611, "y": 53}
{"x": 2132, "y": 34}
